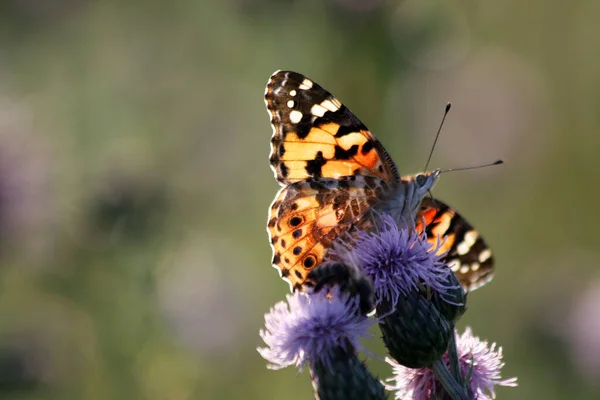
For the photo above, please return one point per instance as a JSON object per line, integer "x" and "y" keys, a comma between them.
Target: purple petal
{"x": 312, "y": 326}
{"x": 398, "y": 260}
{"x": 487, "y": 362}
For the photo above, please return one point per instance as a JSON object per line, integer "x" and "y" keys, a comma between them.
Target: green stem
{"x": 455, "y": 390}
{"x": 453, "y": 357}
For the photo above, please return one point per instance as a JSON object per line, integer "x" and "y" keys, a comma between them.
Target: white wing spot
{"x": 306, "y": 84}
{"x": 485, "y": 255}
{"x": 464, "y": 269}
{"x": 330, "y": 105}
{"x": 462, "y": 248}
{"x": 454, "y": 264}
{"x": 293, "y": 92}
{"x": 290, "y": 103}
{"x": 471, "y": 237}
{"x": 295, "y": 116}
{"x": 475, "y": 266}
{"x": 318, "y": 110}
{"x": 469, "y": 240}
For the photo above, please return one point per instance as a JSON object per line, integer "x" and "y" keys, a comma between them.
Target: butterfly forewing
{"x": 316, "y": 136}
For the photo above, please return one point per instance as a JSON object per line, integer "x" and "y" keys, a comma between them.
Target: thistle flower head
{"x": 477, "y": 358}
{"x": 399, "y": 261}
{"x": 312, "y": 327}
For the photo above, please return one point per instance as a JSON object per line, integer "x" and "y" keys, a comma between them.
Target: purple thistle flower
{"x": 313, "y": 328}
{"x": 485, "y": 361}
{"x": 399, "y": 261}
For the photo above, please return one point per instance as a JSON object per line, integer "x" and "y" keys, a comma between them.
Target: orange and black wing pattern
{"x": 467, "y": 254}
{"x": 316, "y": 136}
{"x": 332, "y": 169}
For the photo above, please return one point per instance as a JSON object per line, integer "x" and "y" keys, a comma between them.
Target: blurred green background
{"x": 134, "y": 180}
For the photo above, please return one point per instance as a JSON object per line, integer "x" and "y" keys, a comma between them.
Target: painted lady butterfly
{"x": 334, "y": 172}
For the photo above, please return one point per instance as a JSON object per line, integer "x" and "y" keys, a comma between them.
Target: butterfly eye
{"x": 421, "y": 179}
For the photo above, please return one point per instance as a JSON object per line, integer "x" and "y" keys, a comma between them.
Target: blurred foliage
{"x": 134, "y": 181}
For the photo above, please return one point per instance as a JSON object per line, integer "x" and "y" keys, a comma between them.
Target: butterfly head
{"x": 427, "y": 180}
{"x": 423, "y": 183}
{"x": 405, "y": 203}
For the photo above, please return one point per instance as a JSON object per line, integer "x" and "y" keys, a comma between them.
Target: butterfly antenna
{"x": 448, "y": 106}
{"x": 497, "y": 162}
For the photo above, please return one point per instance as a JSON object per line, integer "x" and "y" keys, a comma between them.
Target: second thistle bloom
{"x": 477, "y": 359}
{"x": 309, "y": 326}
{"x": 322, "y": 330}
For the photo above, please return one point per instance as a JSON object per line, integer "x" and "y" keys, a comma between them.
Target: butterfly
{"x": 333, "y": 173}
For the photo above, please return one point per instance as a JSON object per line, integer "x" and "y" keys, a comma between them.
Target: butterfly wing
{"x": 467, "y": 253}
{"x": 316, "y": 136}
{"x": 307, "y": 216}
{"x": 332, "y": 168}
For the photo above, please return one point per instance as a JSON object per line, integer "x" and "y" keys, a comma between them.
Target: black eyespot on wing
{"x": 309, "y": 261}
{"x": 295, "y": 221}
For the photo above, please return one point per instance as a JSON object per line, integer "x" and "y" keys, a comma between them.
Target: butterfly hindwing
{"x": 306, "y": 217}
{"x": 467, "y": 253}
{"x": 316, "y": 136}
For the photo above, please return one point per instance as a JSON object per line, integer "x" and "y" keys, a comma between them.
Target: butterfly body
{"x": 403, "y": 203}
{"x": 334, "y": 173}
